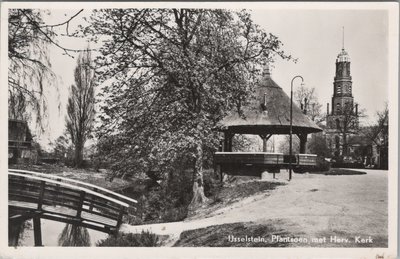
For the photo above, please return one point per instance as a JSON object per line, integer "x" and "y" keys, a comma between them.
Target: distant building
{"x": 20, "y": 143}
{"x": 342, "y": 119}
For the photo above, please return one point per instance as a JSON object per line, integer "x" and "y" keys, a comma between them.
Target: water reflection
{"x": 17, "y": 232}
{"x": 53, "y": 234}
{"x": 73, "y": 235}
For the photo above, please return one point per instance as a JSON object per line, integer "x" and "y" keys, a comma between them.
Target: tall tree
{"x": 62, "y": 148}
{"x": 380, "y": 127}
{"x": 307, "y": 100}
{"x": 317, "y": 145}
{"x": 347, "y": 123}
{"x": 29, "y": 70}
{"x": 80, "y": 107}
{"x": 170, "y": 75}
{"x": 378, "y": 135}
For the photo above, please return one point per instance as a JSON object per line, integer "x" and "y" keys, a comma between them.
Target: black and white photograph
{"x": 263, "y": 126}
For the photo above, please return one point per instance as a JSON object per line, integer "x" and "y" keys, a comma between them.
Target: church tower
{"x": 342, "y": 119}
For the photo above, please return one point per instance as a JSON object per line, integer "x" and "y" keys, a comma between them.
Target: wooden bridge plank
{"x": 60, "y": 210}
{"x": 22, "y": 204}
{"x": 75, "y": 187}
{"x": 59, "y": 201}
{"x": 98, "y": 218}
{"x": 95, "y": 187}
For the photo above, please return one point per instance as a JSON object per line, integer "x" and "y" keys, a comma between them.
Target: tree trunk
{"x": 78, "y": 156}
{"x": 198, "y": 185}
{"x": 345, "y": 151}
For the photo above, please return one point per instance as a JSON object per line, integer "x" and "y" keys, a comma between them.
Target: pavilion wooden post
{"x": 226, "y": 144}
{"x": 228, "y": 136}
{"x": 303, "y": 142}
{"x": 227, "y": 147}
{"x": 265, "y": 138}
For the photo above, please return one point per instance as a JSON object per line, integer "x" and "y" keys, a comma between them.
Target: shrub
{"x": 167, "y": 201}
{"x": 144, "y": 239}
{"x": 211, "y": 184}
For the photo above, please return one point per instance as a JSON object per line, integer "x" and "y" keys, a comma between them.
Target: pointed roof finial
{"x": 343, "y": 38}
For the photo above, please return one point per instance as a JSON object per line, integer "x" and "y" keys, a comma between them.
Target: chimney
{"x": 356, "y": 109}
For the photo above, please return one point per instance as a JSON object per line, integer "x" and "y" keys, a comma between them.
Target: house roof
{"x": 18, "y": 130}
{"x": 268, "y": 113}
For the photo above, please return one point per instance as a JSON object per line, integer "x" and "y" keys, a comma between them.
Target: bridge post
{"x": 120, "y": 216}
{"x": 80, "y": 205}
{"x": 41, "y": 195}
{"x": 91, "y": 202}
{"x": 37, "y": 231}
{"x": 58, "y": 187}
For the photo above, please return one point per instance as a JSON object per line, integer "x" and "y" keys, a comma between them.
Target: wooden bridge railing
{"x": 95, "y": 188}
{"x": 60, "y": 200}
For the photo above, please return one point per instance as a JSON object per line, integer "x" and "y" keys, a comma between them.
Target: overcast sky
{"x": 314, "y": 37}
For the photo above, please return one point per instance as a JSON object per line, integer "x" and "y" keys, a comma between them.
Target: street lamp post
{"x": 291, "y": 125}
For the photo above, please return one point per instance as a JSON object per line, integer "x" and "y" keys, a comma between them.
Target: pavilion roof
{"x": 268, "y": 113}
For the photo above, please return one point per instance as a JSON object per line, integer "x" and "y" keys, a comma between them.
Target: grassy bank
{"x": 273, "y": 233}
{"x": 340, "y": 171}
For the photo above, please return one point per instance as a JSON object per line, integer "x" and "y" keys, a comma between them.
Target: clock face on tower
{"x": 339, "y": 70}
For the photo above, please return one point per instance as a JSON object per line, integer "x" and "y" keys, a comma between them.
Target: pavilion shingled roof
{"x": 268, "y": 113}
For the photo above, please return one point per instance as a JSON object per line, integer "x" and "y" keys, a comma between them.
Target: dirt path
{"x": 311, "y": 204}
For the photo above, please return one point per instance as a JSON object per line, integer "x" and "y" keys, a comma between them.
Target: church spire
{"x": 343, "y": 38}
{"x": 343, "y": 55}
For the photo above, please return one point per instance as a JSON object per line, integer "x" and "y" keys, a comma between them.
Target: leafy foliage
{"x": 62, "y": 149}
{"x": 167, "y": 200}
{"x": 317, "y": 145}
{"x": 80, "y": 107}
{"x": 169, "y": 75}
{"x": 144, "y": 239}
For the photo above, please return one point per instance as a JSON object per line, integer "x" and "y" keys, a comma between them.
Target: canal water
{"x": 60, "y": 234}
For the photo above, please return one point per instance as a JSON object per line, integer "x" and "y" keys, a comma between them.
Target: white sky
{"x": 312, "y": 36}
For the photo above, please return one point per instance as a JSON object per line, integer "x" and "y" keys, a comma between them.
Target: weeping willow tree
{"x": 29, "y": 71}
{"x": 73, "y": 235}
